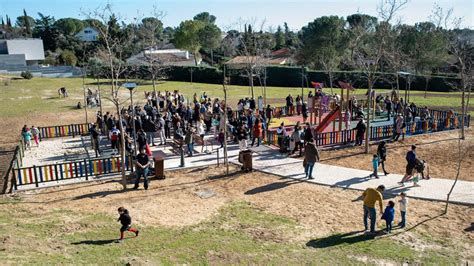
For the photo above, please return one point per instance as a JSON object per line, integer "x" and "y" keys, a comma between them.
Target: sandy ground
{"x": 319, "y": 210}
{"x": 440, "y": 150}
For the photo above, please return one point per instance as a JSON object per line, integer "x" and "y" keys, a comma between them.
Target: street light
{"x": 131, "y": 86}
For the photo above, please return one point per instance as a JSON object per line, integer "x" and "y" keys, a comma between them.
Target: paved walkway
{"x": 271, "y": 162}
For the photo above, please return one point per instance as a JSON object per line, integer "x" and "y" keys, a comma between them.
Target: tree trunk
{"x": 367, "y": 131}
{"x": 100, "y": 97}
{"x": 154, "y": 84}
{"x": 463, "y": 112}
{"x": 427, "y": 80}
{"x": 330, "y": 81}
{"x": 212, "y": 57}
{"x": 398, "y": 86}
{"x": 251, "y": 84}
{"x": 122, "y": 148}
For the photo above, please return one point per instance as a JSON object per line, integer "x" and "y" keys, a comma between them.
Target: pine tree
{"x": 9, "y": 22}
{"x": 26, "y": 22}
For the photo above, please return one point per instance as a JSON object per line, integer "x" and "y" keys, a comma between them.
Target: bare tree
{"x": 150, "y": 32}
{"x": 370, "y": 50}
{"x": 112, "y": 53}
{"x": 462, "y": 51}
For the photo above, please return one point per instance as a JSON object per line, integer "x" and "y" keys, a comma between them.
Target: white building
{"x": 21, "y": 52}
{"x": 166, "y": 55}
{"x": 88, "y": 34}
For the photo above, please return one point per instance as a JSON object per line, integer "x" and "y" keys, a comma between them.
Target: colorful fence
{"x": 379, "y": 132}
{"x": 63, "y": 131}
{"x": 69, "y": 170}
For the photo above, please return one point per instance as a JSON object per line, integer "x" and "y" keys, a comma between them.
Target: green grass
{"x": 39, "y": 95}
{"x": 239, "y": 234}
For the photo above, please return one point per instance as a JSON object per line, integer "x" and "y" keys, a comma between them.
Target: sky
{"x": 232, "y": 13}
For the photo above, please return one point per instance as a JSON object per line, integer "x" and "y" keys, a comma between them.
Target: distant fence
{"x": 63, "y": 131}
{"x": 69, "y": 170}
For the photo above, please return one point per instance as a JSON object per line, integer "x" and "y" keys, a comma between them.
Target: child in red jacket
{"x": 126, "y": 222}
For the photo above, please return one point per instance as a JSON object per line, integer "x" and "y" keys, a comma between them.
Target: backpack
{"x": 419, "y": 165}
{"x": 114, "y": 136}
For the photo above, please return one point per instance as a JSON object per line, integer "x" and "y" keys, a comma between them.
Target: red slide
{"x": 328, "y": 119}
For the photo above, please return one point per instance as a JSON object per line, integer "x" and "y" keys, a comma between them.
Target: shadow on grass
{"x": 420, "y": 223}
{"x": 95, "y": 242}
{"x": 469, "y": 228}
{"x": 272, "y": 186}
{"x": 101, "y": 194}
{"x": 338, "y": 239}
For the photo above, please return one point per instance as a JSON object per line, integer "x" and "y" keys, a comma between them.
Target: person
{"x": 257, "y": 133}
{"x": 308, "y": 134}
{"x": 382, "y": 154}
{"x": 221, "y": 138}
{"x": 142, "y": 164}
{"x": 304, "y": 110}
{"x": 189, "y": 140}
{"x": 388, "y": 107}
{"x": 149, "y": 129}
{"x": 289, "y": 105}
{"x": 141, "y": 139}
{"x": 375, "y": 165}
{"x": 281, "y": 137}
{"x": 403, "y": 202}
{"x": 126, "y": 222}
{"x": 399, "y": 125}
{"x": 361, "y": 127}
{"x": 201, "y": 132}
{"x": 35, "y": 132}
{"x": 114, "y": 139}
{"x": 242, "y": 137}
{"x": 371, "y": 196}
{"x": 297, "y": 137}
{"x": 269, "y": 114}
{"x": 95, "y": 139}
{"x": 160, "y": 128}
{"x": 411, "y": 162}
{"x": 26, "y": 134}
{"x": 388, "y": 215}
{"x": 311, "y": 156}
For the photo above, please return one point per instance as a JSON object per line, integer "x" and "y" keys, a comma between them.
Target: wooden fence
{"x": 63, "y": 131}
{"x": 69, "y": 170}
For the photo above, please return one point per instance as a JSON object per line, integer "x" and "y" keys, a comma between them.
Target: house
{"x": 20, "y": 52}
{"x": 167, "y": 55}
{"x": 279, "y": 57}
{"x": 88, "y": 34}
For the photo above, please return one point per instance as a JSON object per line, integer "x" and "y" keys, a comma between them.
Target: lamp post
{"x": 131, "y": 86}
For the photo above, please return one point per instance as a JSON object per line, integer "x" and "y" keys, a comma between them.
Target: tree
{"x": 69, "y": 26}
{"x": 210, "y": 38}
{"x": 187, "y": 37}
{"x": 291, "y": 38}
{"x": 111, "y": 53}
{"x": 45, "y": 30}
{"x": 370, "y": 47}
{"x": 26, "y": 23}
{"x": 279, "y": 38}
{"x": 323, "y": 44}
{"x": 205, "y": 17}
{"x": 68, "y": 58}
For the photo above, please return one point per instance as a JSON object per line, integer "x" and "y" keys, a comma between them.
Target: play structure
{"x": 326, "y": 109}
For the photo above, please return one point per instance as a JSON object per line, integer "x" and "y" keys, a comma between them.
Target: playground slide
{"x": 328, "y": 119}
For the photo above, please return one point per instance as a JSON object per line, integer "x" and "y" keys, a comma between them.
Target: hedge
{"x": 291, "y": 77}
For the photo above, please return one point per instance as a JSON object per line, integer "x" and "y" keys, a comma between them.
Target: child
{"x": 221, "y": 138}
{"x": 35, "y": 133}
{"x": 126, "y": 221}
{"x": 403, "y": 208}
{"x": 375, "y": 164}
{"x": 388, "y": 215}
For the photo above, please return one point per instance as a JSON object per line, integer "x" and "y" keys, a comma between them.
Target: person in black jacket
{"x": 382, "y": 153}
{"x": 361, "y": 127}
{"x": 126, "y": 222}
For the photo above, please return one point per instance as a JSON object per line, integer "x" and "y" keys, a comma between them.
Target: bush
{"x": 26, "y": 75}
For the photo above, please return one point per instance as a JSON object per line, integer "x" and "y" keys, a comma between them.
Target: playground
{"x": 239, "y": 216}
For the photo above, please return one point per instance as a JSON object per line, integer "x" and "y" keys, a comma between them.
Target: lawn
{"x": 28, "y": 97}
{"x": 70, "y": 237}
{"x": 254, "y": 218}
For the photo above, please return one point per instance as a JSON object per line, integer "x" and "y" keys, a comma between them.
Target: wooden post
{"x": 35, "y": 175}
